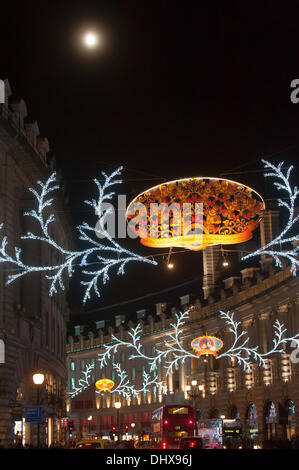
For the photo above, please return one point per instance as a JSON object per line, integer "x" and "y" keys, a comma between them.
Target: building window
{"x": 100, "y": 324}
{"x": 78, "y": 404}
{"x": 122, "y": 357}
{"x": 88, "y": 404}
{"x": 73, "y": 383}
{"x": 47, "y": 329}
{"x": 113, "y": 376}
{"x": 77, "y": 330}
{"x": 73, "y": 365}
{"x": 140, "y": 314}
{"x": 53, "y": 336}
{"x": 82, "y": 364}
{"x": 133, "y": 373}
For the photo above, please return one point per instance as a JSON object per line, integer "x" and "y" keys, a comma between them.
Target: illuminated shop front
{"x": 19, "y": 431}
{"x": 291, "y": 426}
{"x": 287, "y": 418}
{"x": 252, "y": 422}
{"x": 270, "y": 421}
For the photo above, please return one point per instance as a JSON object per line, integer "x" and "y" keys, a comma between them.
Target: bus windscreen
{"x": 175, "y": 410}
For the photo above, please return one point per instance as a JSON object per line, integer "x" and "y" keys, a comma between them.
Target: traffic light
{"x": 70, "y": 425}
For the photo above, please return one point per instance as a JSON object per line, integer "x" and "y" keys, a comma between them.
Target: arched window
{"x": 252, "y": 421}
{"x": 270, "y": 420}
{"x": 215, "y": 413}
{"x": 2, "y": 352}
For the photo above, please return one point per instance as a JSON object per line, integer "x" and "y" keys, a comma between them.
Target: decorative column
{"x": 247, "y": 325}
{"x": 269, "y": 229}
{"x": 211, "y": 255}
{"x": 182, "y": 379}
{"x": 170, "y": 381}
{"x": 262, "y": 333}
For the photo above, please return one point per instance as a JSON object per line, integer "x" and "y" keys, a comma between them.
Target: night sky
{"x": 175, "y": 90}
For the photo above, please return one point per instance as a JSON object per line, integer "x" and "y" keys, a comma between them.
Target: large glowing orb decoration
{"x": 104, "y": 385}
{"x": 206, "y": 345}
{"x": 230, "y": 211}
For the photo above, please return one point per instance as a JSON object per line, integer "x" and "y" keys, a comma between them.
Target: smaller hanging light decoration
{"x": 206, "y": 345}
{"x": 104, "y": 385}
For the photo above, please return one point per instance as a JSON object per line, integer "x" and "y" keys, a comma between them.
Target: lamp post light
{"x": 38, "y": 380}
{"x": 133, "y": 427}
{"x": 222, "y": 417}
{"x": 117, "y": 405}
{"x": 202, "y": 389}
{"x": 89, "y": 419}
{"x": 195, "y": 391}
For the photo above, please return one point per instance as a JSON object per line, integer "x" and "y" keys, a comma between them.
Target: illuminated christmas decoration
{"x": 133, "y": 343}
{"x": 276, "y": 248}
{"x": 122, "y": 388}
{"x": 206, "y": 345}
{"x": 128, "y": 391}
{"x": 102, "y": 252}
{"x": 84, "y": 382}
{"x": 245, "y": 355}
{"x": 104, "y": 385}
{"x": 215, "y": 211}
{"x": 173, "y": 353}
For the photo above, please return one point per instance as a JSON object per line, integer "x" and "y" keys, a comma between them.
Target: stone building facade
{"x": 264, "y": 401}
{"x": 32, "y": 324}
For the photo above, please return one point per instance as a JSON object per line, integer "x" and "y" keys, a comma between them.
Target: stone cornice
{"x": 243, "y": 300}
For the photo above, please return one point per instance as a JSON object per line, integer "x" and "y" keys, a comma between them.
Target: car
{"x": 191, "y": 443}
{"x": 213, "y": 446}
{"x": 124, "y": 444}
{"x": 94, "y": 444}
{"x": 144, "y": 445}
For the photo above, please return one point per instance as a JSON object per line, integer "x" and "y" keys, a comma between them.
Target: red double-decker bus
{"x": 170, "y": 423}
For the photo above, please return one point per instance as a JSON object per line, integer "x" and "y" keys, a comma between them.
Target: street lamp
{"x": 117, "y": 405}
{"x": 38, "y": 380}
{"x": 202, "y": 389}
{"x": 133, "y": 426}
{"x": 194, "y": 391}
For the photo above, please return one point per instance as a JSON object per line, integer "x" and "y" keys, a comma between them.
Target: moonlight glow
{"x": 91, "y": 39}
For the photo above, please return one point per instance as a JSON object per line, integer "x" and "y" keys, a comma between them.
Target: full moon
{"x": 90, "y": 39}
